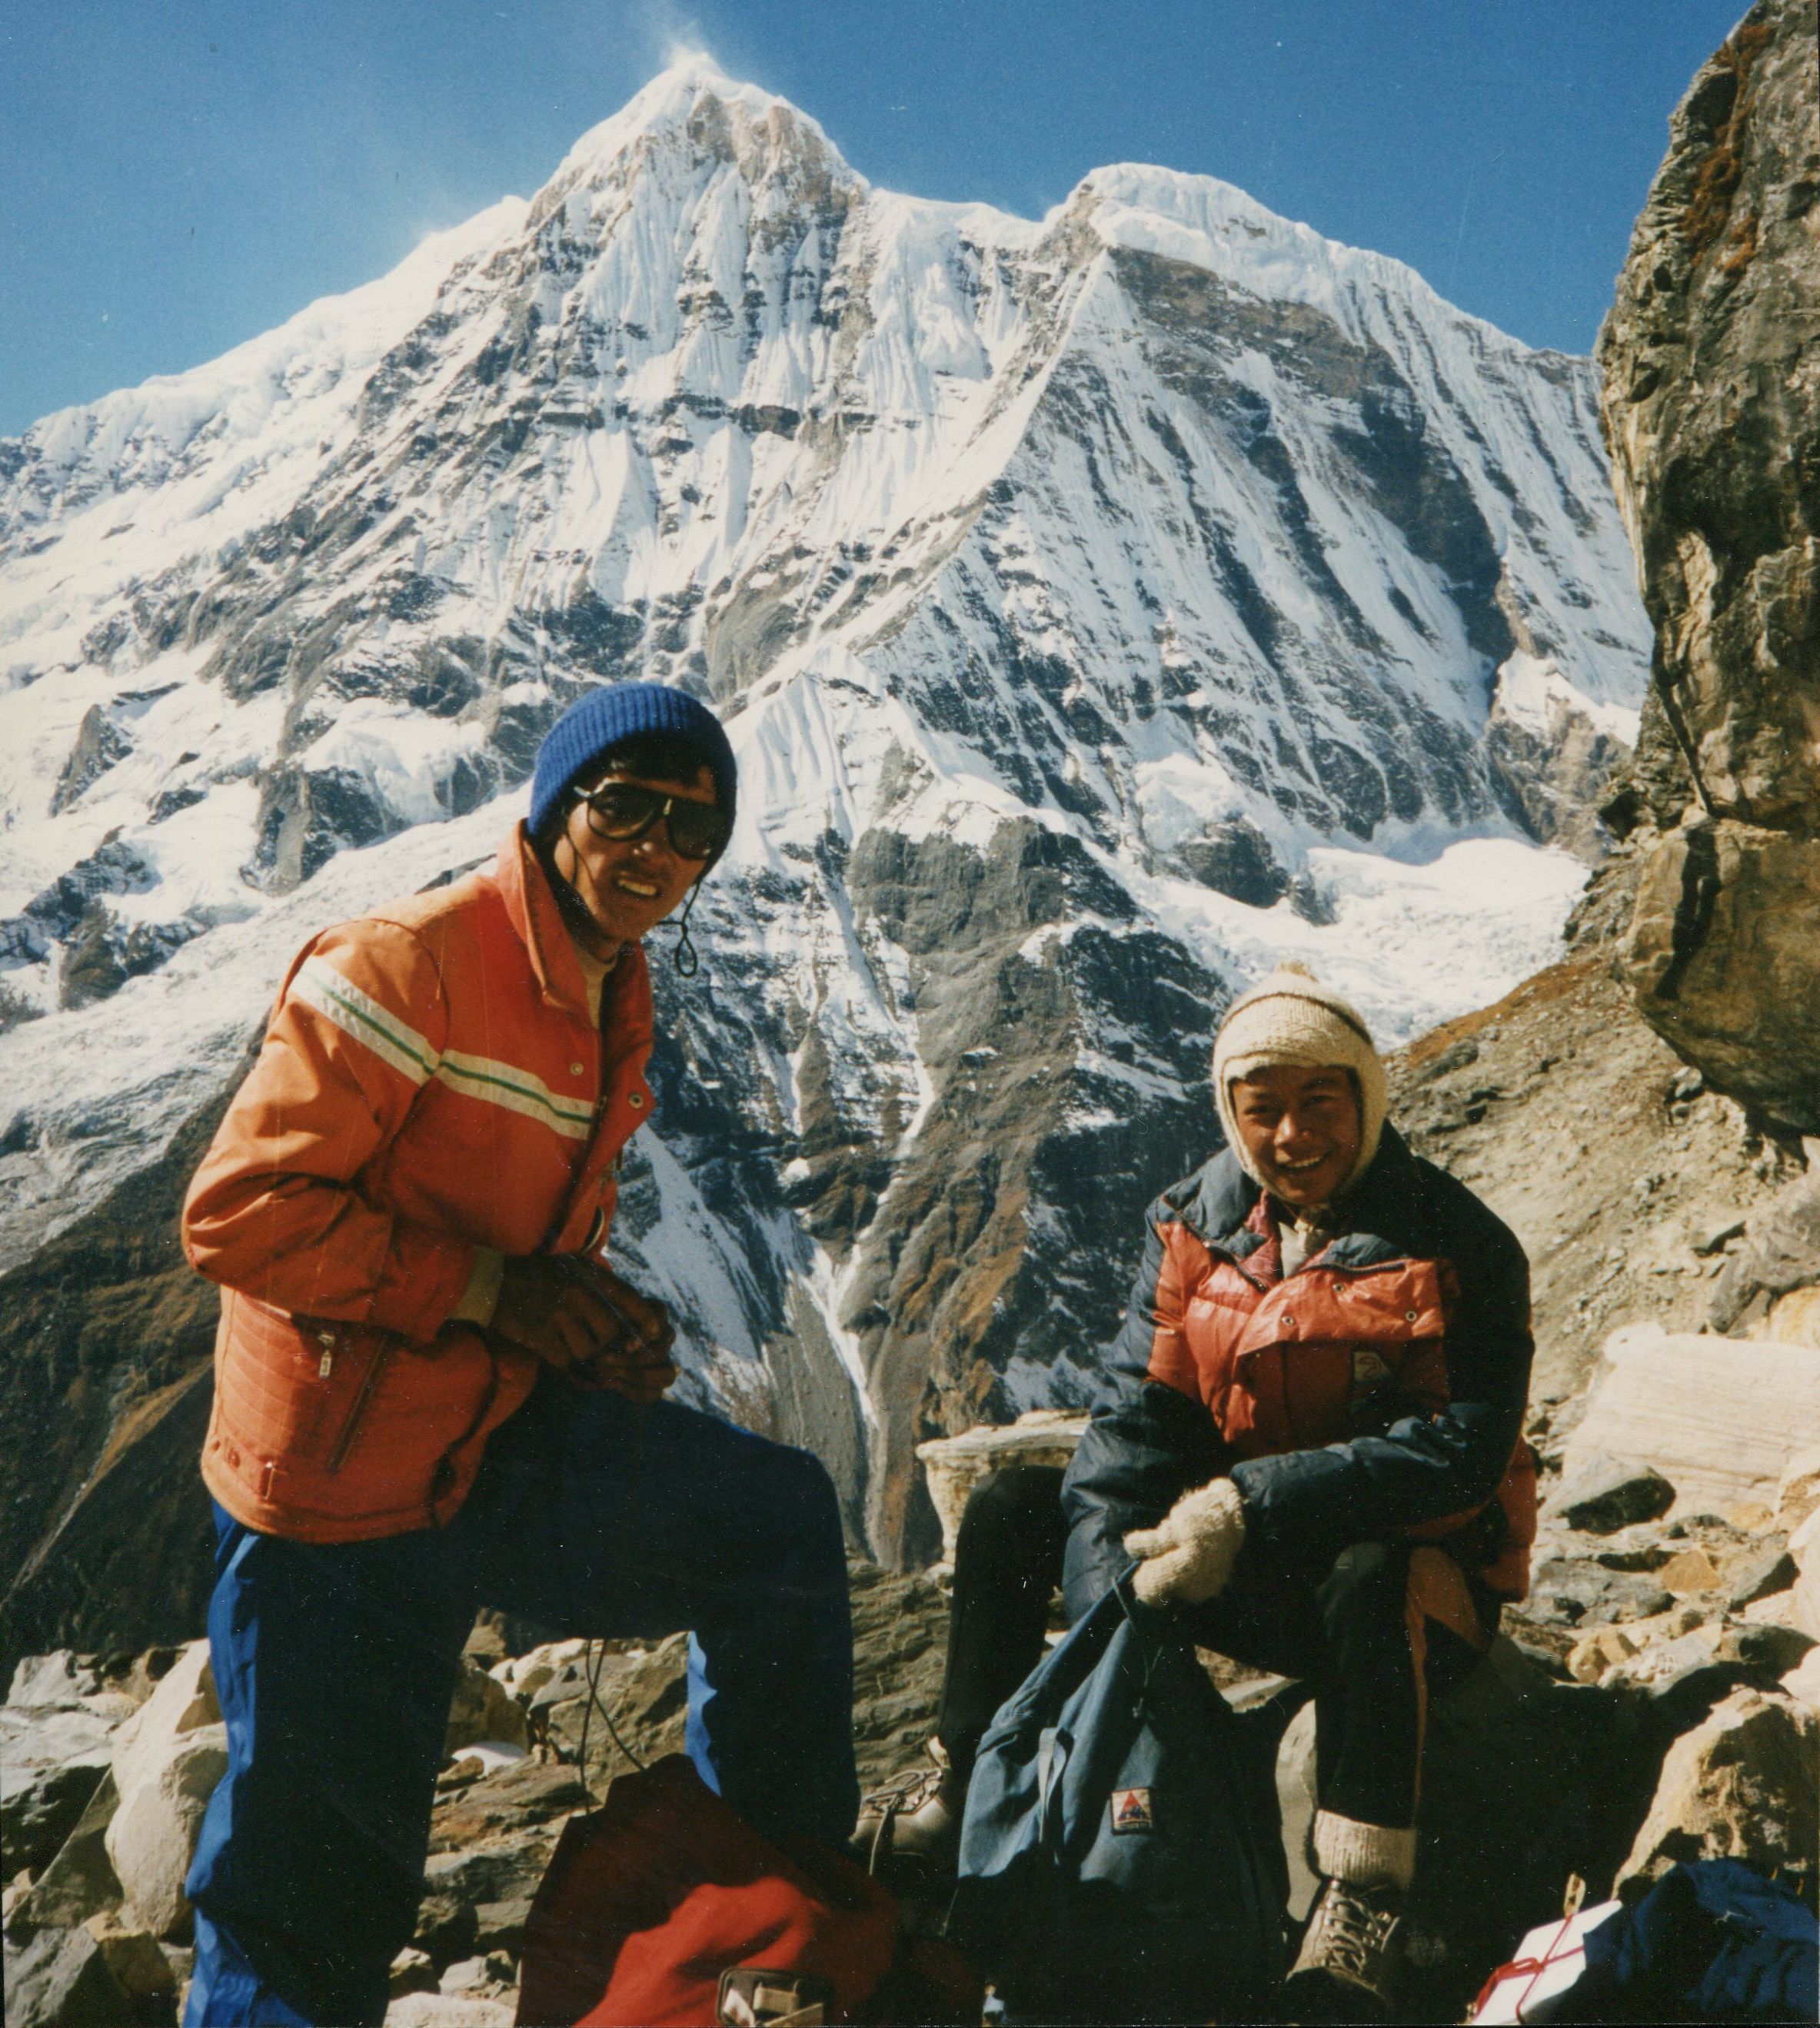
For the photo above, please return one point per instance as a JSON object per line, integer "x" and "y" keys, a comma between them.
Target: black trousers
{"x": 1363, "y": 1631}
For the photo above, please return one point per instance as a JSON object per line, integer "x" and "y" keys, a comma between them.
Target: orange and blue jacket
{"x": 1377, "y": 1392}
{"x": 430, "y": 1083}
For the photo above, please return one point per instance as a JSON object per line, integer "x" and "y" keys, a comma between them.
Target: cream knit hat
{"x": 1291, "y": 1018}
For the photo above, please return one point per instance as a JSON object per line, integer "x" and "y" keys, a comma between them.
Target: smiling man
{"x": 433, "y": 1393}
{"x": 1318, "y": 1458}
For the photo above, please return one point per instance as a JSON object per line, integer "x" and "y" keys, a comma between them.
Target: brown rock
{"x": 1745, "y": 1785}
{"x": 167, "y": 1759}
{"x": 80, "y": 1881}
{"x": 1720, "y": 1417}
{"x": 1690, "y": 1570}
{"x": 1804, "y": 1547}
{"x": 529, "y": 1792}
{"x": 1711, "y": 412}
{"x": 412, "y": 1971}
{"x": 134, "y": 1956}
{"x": 482, "y": 1709}
{"x": 1798, "y": 1493}
{"x": 1603, "y": 1648}
{"x": 955, "y": 1467}
{"x": 1795, "y": 1318}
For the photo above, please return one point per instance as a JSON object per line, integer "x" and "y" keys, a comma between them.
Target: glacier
{"x": 1103, "y": 607}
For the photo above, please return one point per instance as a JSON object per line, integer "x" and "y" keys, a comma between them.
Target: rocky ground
{"x": 109, "y": 1761}
{"x": 1628, "y": 1182}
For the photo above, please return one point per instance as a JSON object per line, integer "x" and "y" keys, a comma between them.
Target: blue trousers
{"x": 334, "y": 1665}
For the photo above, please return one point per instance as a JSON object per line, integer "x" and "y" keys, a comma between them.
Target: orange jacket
{"x": 430, "y": 1083}
{"x": 1378, "y": 1391}
{"x": 1331, "y": 1352}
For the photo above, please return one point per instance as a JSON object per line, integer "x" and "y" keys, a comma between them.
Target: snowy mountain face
{"x": 1101, "y": 608}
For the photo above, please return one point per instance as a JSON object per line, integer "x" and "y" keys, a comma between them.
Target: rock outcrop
{"x": 167, "y": 1759}
{"x": 957, "y": 1467}
{"x": 1711, "y": 411}
{"x": 1741, "y": 1786}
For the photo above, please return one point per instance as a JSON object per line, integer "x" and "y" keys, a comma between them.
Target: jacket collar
{"x": 531, "y": 909}
{"x": 1217, "y": 1203}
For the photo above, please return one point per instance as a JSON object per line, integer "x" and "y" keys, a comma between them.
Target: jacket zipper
{"x": 362, "y": 1402}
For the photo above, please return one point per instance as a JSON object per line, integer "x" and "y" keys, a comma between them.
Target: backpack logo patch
{"x": 1131, "y": 1810}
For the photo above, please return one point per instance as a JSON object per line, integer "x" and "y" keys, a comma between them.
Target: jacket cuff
{"x": 481, "y": 1296}
{"x": 424, "y": 1274}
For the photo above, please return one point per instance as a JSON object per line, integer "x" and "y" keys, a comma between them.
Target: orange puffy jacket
{"x": 430, "y": 1083}
{"x": 1378, "y": 1391}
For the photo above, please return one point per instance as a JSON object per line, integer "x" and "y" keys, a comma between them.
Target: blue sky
{"x": 176, "y": 177}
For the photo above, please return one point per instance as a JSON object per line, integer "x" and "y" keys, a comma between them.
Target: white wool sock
{"x": 1364, "y": 1855}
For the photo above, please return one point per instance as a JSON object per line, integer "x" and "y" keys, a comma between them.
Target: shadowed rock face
{"x": 1711, "y": 412}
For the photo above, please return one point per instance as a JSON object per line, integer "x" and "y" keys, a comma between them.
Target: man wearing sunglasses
{"x": 432, "y": 1394}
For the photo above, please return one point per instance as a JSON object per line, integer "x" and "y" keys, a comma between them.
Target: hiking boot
{"x": 909, "y": 1832}
{"x": 1350, "y": 1955}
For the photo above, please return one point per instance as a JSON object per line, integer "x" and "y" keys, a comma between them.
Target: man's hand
{"x": 1188, "y": 1555}
{"x": 578, "y": 1316}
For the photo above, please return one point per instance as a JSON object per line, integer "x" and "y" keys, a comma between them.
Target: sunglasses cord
{"x": 685, "y": 957}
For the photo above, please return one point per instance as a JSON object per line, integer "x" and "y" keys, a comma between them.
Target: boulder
{"x": 444, "y": 2010}
{"x": 1659, "y": 1663}
{"x": 1722, "y": 1418}
{"x": 57, "y": 1730}
{"x": 1601, "y": 1494}
{"x": 1688, "y": 1570}
{"x": 1793, "y": 1318}
{"x": 80, "y": 1880}
{"x": 167, "y": 1760}
{"x": 1804, "y": 1547}
{"x": 956, "y": 1466}
{"x": 412, "y": 1971}
{"x": 1767, "y": 1287}
{"x": 1745, "y": 1785}
{"x": 509, "y": 1799}
{"x": 42, "y": 1806}
{"x": 1802, "y": 1682}
{"x": 134, "y": 1956}
{"x": 640, "y": 1690}
{"x": 62, "y": 1678}
{"x": 1798, "y": 1492}
{"x": 1595, "y": 1653}
{"x": 1771, "y": 1651}
{"x": 524, "y": 1675}
{"x": 1762, "y": 1577}
{"x": 446, "y": 1926}
{"x": 482, "y": 1708}
{"x": 1711, "y": 414}
{"x": 1572, "y": 1592}
{"x": 62, "y": 1979}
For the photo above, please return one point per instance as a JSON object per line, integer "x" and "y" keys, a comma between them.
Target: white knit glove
{"x": 1188, "y": 1555}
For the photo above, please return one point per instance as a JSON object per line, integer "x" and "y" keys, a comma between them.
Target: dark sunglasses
{"x": 624, "y": 809}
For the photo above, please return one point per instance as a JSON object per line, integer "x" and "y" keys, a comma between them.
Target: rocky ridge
{"x": 1711, "y": 408}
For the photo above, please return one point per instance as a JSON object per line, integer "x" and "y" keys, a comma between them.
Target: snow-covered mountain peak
{"x": 1101, "y": 607}
{"x": 692, "y": 114}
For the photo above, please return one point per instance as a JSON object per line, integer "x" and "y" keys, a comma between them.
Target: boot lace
{"x": 1356, "y": 1935}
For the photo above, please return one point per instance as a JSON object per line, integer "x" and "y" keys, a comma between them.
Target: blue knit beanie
{"x": 596, "y": 724}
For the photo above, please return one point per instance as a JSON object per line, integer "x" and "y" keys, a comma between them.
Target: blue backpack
{"x": 1119, "y": 1860}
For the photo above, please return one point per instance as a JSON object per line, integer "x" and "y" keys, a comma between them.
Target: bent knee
{"x": 801, "y": 1490}
{"x": 1024, "y": 1497}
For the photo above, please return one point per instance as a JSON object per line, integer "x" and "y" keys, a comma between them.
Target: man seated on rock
{"x": 431, "y": 1393}
{"x": 1317, "y": 1459}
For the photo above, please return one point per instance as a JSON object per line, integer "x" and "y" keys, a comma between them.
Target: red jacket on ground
{"x": 431, "y": 1084}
